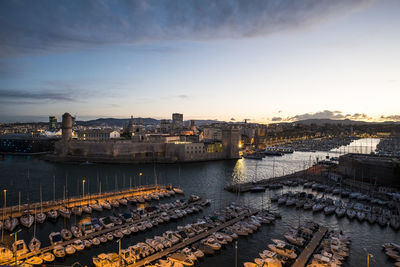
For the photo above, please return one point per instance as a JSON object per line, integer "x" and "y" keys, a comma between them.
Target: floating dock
{"x": 305, "y": 255}
{"x": 71, "y": 202}
{"x": 95, "y": 234}
{"x": 187, "y": 242}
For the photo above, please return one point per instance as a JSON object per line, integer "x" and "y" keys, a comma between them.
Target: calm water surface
{"x": 25, "y": 175}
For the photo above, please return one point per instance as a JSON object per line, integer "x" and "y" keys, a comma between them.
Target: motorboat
{"x": 123, "y": 201}
{"x": 109, "y": 236}
{"x": 70, "y": 249}
{"x": 178, "y": 190}
{"x": 114, "y": 203}
{"x": 66, "y": 234}
{"x": 34, "y": 244}
{"x": 78, "y": 245}
{"x": 283, "y": 249}
{"x": 212, "y": 243}
{"x": 371, "y": 217}
{"x": 340, "y": 212}
{"x": 128, "y": 256}
{"x": 87, "y": 209}
{"x": 106, "y": 222}
{"x": 117, "y": 234}
{"x": 96, "y": 241}
{"x": 351, "y": 213}
{"x": 47, "y": 257}
{"x": 180, "y": 258}
{"x": 360, "y": 216}
{"x": 97, "y": 207}
{"x": 59, "y": 251}
{"x": 107, "y": 260}
{"x": 19, "y": 248}
{"x": 76, "y": 232}
{"x": 87, "y": 243}
{"x": 35, "y": 260}
{"x": 106, "y": 205}
{"x": 77, "y": 210}
{"x": 65, "y": 212}
{"x": 5, "y": 254}
{"x": 328, "y": 210}
{"x": 88, "y": 227}
{"x": 55, "y": 238}
{"x": 103, "y": 238}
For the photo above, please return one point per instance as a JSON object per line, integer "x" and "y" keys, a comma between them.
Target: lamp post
{"x": 83, "y": 188}
{"x": 140, "y": 179}
{"x": 4, "y": 211}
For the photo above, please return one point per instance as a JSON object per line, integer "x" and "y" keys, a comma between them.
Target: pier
{"x": 187, "y": 242}
{"x": 93, "y": 235}
{"x": 312, "y": 172}
{"x": 301, "y": 261}
{"x": 71, "y": 202}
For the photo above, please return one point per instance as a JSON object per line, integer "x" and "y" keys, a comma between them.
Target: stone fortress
{"x": 161, "y": 148}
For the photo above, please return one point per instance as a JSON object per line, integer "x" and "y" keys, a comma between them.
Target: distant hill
{"x": 112, "y": 122}
{"x": 343, "y": 122}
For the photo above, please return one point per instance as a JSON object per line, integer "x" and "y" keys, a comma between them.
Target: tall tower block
{"x": 66, "y": 127}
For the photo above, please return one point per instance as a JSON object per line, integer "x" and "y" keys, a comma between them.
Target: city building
{"x": 52, "y": 123}
{"x": 97, "y": 134}
{"x": 373, "y": 169}
{"x": 177, "y": 121}
{"x": 165, "y": 126}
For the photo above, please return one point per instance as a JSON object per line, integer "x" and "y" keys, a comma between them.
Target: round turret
{"x": 66, "y": 127}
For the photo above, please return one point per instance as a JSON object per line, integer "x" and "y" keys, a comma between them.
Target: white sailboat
{"x": 34, "y": 244}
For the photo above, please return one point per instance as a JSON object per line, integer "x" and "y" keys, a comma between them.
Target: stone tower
{"x": 230, "y": 143}
{"x": 66, "y": 127}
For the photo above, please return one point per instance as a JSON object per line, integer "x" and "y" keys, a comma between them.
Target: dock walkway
{"x": 17, "y": 211}
{"x": 301, "y": 261}
{"x": 187, "y": 242}
{"x": 95, "y": 234}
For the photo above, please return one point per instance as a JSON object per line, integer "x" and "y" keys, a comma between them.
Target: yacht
{"x": 77, "y": 210}
{"x": 40, "y": 217}
{"x": 19, "y": 248}
{"x": 5, "y": 254}
{"x": 47, "y": 257}
{"x": 55, "y": 238}
{"x": 106, "y": 205}
{"x": 66, "y": 234}
{"x": 97, "y": 207}
{"x": 78, "y": 245}
{"x": 283, "y": 250}
{"x": 34, "y": 260}
{"x": 70, "y": 249}
{"x": 59, "y": 251}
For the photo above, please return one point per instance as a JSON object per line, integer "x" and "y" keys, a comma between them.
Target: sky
{"x": 262, "y": 60}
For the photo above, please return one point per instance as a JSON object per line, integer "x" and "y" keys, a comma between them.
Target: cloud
{"x": 65, "y": 25}
{"x": 183, "y": 96}
{"x": 18, "y": 94}
{"x": 326, "y": 114}
{"x": 276, "y": 119}
{"x": 390, "y": 118}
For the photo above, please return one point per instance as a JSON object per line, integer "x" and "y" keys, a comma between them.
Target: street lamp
{"x": 140, "y": 179}
{"x": 4, "y": 211}
{"x": 83, "y": 188}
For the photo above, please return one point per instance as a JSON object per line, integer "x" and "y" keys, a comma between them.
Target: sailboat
{"x": 10, "y": 223}
{"x": 34, "y": 244}
{"x": 41, "y": 216}
{"x": 27, "y": 219}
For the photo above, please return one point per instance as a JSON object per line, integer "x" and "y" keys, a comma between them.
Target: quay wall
{"x": 127, "y": 151}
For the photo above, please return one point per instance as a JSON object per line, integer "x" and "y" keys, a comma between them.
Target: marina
{"x": 99, "y": 233}
{"x": 301, "y": 261}
{"x": 18, "y": 210}
{"x": 199, "y": 179}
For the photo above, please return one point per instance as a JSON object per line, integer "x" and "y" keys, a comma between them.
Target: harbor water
{"x": 22, "y": 177}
